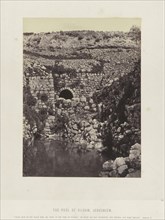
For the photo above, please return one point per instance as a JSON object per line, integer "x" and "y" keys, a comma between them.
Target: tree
{"x": 135, "y": 33}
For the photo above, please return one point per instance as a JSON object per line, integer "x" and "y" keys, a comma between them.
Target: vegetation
{"x": 135, "y": 34}
{"x": 29, "y": 112}
{"x": 44, "y": 97}
{"x": 60, "y": 123}
{"x": 114, "y": 99}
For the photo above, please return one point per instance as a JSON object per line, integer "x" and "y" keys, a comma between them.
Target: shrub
{"x": 43, "y": 114}
{"x": 97, "y": 40}
{"x": 31, "y": 101}
{"x": 80, "y": 37}
{"x": 27, "y": 97}
{"x": 44, "y": 97}
{"x": 50, "y": 110}
{"x": 60, "y": 123}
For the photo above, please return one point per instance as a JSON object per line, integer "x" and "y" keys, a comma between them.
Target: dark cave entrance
{"x": 66, "y": 94}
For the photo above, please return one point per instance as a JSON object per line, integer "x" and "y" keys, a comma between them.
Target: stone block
{"x": 122, "y": 170}
{"x": 119, "y": 161}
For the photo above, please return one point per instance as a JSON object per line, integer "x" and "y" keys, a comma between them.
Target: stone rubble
{"x": 124, "y": 166}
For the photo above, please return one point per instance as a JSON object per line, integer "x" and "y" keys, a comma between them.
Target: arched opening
{"x": 66, "y": 94}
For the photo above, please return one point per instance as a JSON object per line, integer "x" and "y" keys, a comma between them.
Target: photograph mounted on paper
{"x": 82, "y": 97}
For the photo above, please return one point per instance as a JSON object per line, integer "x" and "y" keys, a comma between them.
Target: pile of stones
{"x": 86, "y": 133}
{"x": 124, "y": 135}
{"x": 82, "y": 127}
{"x": 124, "y": 166}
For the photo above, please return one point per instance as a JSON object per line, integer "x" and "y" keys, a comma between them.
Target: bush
{"x": 43, "y": 114}
{"x": 97, "y": 40}
{"x": 60, "y": 123}
{"x": 50, "y": 110}
{"x": 27, "y": 97}
{"x": 80, "y": 38}
{"x": 31, "y": 101}
{"x": 44, "y": 97}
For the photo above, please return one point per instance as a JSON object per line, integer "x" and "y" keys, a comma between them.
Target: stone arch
{"x": 66, "y": 93}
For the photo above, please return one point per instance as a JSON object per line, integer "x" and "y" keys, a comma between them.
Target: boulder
{"x": 88, "y": 128}
{"x": 75, "y": 127}
{"x": 104, "y": 174}
{"x": 94, "y": 121}
{"x": 74, "y": 132}
{"x": 91, "y": 101}
{"x": 108, "y": 165}
{"x": 126, "y": 124}
{"x": 120, "y": 137}
{"x": 86, "y": 124}
{"x": 113, "y": 173}
{"x": 90, "y": 146}
{"x": 128, "y": 131}
{"x": 93, "y": 137}
{"x": 95, "y": 126}
{"x": 135, "y": 174}
{"x": 135, "y": 152}
{"x": 51, "y": 117}
{"x": 122, "y": 170}
{"x": 73, "y": 103}
{"x": 83, "y": 99}
{"x": 119, "y": 161}
{"x": 86, "y": 107}
{"x": 119, "y": 129}
{"x": 92, "y": 131}
{"x": 98, "y": 145}
{"x": 136, "y": 147}
{"x": 83, "y": 143}
{"x": 131, "y": 170}
{"x": 93, "y": 105}
{"x": 76, "y": 99}
{"x": 77, "y": 139}
{"x": 71, "y": 111}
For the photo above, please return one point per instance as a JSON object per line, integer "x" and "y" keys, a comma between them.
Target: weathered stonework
{"x": 42, "y": 85}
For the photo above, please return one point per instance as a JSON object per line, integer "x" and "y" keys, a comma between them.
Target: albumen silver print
{"x": 82, "y": 97}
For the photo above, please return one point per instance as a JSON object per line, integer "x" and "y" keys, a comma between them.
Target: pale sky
{"x": 70, "y": 24}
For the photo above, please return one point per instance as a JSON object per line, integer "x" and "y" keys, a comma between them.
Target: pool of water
{"x": 61, "y": 159}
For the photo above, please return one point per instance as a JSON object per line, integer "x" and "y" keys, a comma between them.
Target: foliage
{"x": 123, "y": 92}
{"x": 60, "y": 123}
{"x": 50, "y": 109}
{"x": 44, "y": 97}
{"x": 27, "y": 97}
{"x": 29, "y": 112}
{"x": 135, "y": 33}
{"x": 80, "y": 37}
{"x": 42, "y": 114}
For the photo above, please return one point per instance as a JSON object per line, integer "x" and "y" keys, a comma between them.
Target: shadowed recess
{"x": 66, "y": 94}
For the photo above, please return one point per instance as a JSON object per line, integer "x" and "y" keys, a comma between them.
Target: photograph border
{"x": 22, "y": 198}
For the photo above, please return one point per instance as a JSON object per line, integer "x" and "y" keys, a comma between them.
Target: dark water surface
{"x": 61, "y": 159}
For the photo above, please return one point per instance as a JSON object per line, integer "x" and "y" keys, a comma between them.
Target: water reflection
{"x": 61, "y": 159}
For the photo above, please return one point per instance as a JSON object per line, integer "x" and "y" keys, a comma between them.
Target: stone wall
{"x": 42, "y": 88}
{"x": 83, "y": 84}
{"x": 107, "y": 72}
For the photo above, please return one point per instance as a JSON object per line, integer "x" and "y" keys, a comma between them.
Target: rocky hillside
{"x": 121, "y": 112}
